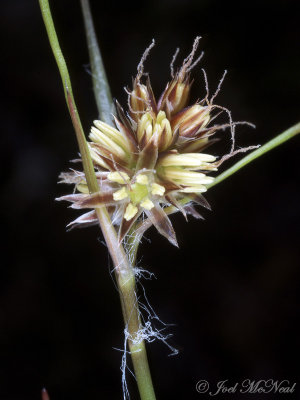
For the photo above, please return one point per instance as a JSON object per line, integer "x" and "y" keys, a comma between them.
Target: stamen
{"x": 120, "y": 194}
{"x": 157, "y": 189}
{"x": 142, "y": 179}
{"x": 118, "y": 177}
{"x": 199, "y": 189}
{"x": 147, "y": 204}
{"x": 130, "y": 212}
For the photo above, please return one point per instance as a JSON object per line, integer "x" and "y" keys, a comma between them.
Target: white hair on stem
{"x": 148, "y": 332}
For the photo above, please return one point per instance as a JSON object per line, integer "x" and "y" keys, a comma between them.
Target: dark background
{"x": 232, "y": 288}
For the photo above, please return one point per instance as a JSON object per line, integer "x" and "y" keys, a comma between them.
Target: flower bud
{"x": 175, "y": 96}
{"x": 139, "y": 100}
{"x": 159, "y": 126}
{"x": 191, "y": 120}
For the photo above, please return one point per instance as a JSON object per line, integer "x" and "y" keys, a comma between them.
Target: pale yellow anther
{"x": 130, "y": 212}
{"x": 96, "y": 135}
{"x": 207, "y": 180}
{"x": 142, "y": 179}
{"x": 198, "y": 189}
{"x": 157, "y": 189}
{"x": 147, "y": 204}
{"x": 111, "y": 144}
{"x": 120, "y": 194}
{"x": 183, "y": 176}
{"x": 118, "y": 177}
{"x": 188, "y": 159}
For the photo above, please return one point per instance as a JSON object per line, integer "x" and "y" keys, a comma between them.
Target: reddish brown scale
{"x": 162, "y": 139}
{"x": 151, "y": 96}
{"x": 148, "y": 156}
{"x": 175, "y": 138}
{"x": 125, "y": 121}
{"x": 128, "y": 133}
{"x": 96, "y": 200}
{"x": 143, "y": 141}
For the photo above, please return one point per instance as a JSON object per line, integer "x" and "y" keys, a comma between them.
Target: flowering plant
{"x": 150, "y": 162}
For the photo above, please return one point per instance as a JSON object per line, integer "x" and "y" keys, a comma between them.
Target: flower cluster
{"x": 152, "y": 158}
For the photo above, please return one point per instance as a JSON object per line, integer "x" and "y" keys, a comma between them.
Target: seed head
{"x": 153, "y": 156}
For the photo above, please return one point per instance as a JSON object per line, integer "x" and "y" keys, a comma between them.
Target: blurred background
{"x": 231, "y": 290}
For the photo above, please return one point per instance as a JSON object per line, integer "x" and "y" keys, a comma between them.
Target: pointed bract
{"x": 162, "y": 223}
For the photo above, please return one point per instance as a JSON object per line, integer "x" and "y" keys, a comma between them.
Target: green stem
{"x": 278, "y": 140}
{"x": 100, "y": 83}
{"x": 124, "y": 271}
{"x": 116, "y": 250}
{"x": 131, "y": 313}
{"x": 62, "y": 66}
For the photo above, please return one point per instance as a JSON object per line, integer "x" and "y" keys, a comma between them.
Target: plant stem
{"x": 100, "y": 83}
{"x": 125, "y": 282}
{"x": 131, "y": 313}
{"x": 123, "y": 269}
{"x": 60, "y": 60}
{"x": 278, "y": 140}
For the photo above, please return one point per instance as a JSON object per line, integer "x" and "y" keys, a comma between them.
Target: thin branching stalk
{"x": 124, "y": 271}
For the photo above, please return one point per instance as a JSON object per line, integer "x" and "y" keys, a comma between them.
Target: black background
{"x": 232, "y": 288}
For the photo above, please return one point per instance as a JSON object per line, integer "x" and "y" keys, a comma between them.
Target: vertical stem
{"x": 125, "y": 278}
{"x": 100, "y": 83}
{"x": 124, "y": 271}
{"x": 126, "y": 285}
